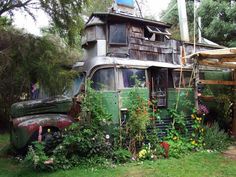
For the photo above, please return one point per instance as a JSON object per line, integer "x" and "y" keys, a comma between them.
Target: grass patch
{"x": 200, "y": 164}
{"x": 4, "y": 139}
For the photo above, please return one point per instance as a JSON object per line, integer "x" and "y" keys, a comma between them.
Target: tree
{"x": 8, "y": 6}
{"x": 97, "y": 6}
{"x": 218, "y": 20}
{"x": 66, "y": 17}
{"x": 65, "y": 14}
{"x": 24, "y": 59}
{"x": 170, "y": 15}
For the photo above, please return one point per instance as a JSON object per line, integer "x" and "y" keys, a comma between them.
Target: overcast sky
{"x": 153, "y": 8}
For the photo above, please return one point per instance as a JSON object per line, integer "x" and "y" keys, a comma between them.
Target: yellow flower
{"x": 193, "y": 142}
{"x": 198, "y": 118}
{"x": 202, "y": 130}
{"x": 49, "y": 130}
{"x": 142, "y": 153}
{"x": 175, "y": 138}
{"x": 193, "y": 116}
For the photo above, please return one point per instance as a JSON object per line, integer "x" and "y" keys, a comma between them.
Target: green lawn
{"x": 200, "y": 164}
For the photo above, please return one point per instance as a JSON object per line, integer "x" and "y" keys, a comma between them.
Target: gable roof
{"x": 126, "y": 18}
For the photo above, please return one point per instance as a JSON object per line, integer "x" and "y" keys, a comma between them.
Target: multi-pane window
{"x": 130, "y": 77}
{"x": 104, "y": 79}
{"x": 117, "y": 34}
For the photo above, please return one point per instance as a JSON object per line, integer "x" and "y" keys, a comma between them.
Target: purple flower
{"x": 202, "y": 109}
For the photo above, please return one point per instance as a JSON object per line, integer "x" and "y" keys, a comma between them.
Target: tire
{"x": 51, "y": 140}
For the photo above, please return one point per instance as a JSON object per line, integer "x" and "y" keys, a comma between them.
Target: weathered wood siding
{"x": 143, "y": 49}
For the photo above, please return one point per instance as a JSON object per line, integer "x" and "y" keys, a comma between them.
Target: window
{"x": 117, "y": 34}
{"x": 77, "y": 85}
{"x": 104, "y": 79}
{"x": 156, "y": 33}
{"x": 158, "y": 85}
{"x": 127, "y": 77}
{"x": 161, "y": 80}
{"x": 186, "y": 78}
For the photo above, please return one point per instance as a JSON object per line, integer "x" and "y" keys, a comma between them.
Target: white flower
{"x": 107, "y": 136}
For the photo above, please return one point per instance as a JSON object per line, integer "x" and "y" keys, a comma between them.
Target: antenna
{"x": 140, "y": 11}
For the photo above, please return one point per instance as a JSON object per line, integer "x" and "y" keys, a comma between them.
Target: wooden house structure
{"x": 127, "y": 36}
{"x": 223, "y": 58}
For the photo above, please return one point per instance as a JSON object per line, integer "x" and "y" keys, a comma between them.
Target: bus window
{"x": 104, "y": 79}
{"x": 77, "y": 84}
{"x": 127, "y": 77}
{"x": 185, "y": 81}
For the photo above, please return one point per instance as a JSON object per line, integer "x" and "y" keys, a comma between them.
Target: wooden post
{"x": 196, "y": 81}
{"x": 234, "y": 110}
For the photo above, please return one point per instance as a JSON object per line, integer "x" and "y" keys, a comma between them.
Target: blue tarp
{"x": 129, "y": 3}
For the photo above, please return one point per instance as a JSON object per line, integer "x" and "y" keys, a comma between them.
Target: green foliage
{"x": 173, "y": 18}
{"x": 182, "y": 141}
{"x": 215, "y": 139}
{"x": 66, "y": 17}
{"x": 151, "y": 152}
{"x": 80, "y": 145}
{"x": 224, "y": 108}
{"x": 218, "y": 20}
{"x": 121, "y": 155}
{"x": 179, "y": 121}
{"x": 37, "y": 159}
{"x": 97, "y": 6}
{"x": 194, "y": 165}
{"x": 5, "y": 22}
{"x": 138, "y": 119}
{"x": 93, "y": 107}
{"x": 179, "y": 148}
{"x": 25, "y": 58}
{"x": 88, "y": 142}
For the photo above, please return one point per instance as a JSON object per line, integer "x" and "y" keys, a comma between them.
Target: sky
{"x": 152, "y": 8}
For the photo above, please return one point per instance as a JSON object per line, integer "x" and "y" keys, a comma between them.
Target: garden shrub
{"x": 138, "y": 119}
{"x": 215, "y": 139}
{"x": 121, "y": 155}
{"x": 36, "y": 158}
{"x": 179, "y": 148}
{"x": 81, "y": 142}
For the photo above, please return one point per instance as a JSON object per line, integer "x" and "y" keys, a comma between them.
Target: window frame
{"x": 109, "y": 34}
{"x": 115, "y": 80}
{"x": 157, "y": 31}
{"x": 184, "y": 76}
{"x": 122, "y": 79}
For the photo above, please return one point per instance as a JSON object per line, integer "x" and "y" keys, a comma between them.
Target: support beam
{"x": 196, "y": 81}
{"x": 217, "y": 64}
{"x": 227, "y": 60}
{"x": 234, "y": 110}
{"x": 217, "y": 82}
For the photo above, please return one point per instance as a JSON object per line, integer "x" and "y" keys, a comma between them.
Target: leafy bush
{"x": 85, "y": 141}
{"x": 36, "y": 158}
{"x": 179, "y": 148}
{"x": 121, "y": 155}
{"x": 138, "y": 119}
{"x": 215, "y": 139}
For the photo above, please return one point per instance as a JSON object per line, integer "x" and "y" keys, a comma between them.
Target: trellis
{"x": 221, "y": 58}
